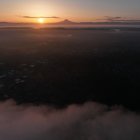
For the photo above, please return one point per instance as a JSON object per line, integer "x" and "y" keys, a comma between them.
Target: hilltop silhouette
{"x": 66, "y": 21}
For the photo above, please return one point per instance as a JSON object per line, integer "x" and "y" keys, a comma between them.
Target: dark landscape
{"x": 69, "y": 70}
{"x": 62, "y": 66}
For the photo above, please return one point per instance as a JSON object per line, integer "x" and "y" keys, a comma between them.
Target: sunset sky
{"x": 77, "y": 10}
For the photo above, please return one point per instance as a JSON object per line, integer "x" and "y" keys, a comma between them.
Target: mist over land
{"x": 78, "y": 122}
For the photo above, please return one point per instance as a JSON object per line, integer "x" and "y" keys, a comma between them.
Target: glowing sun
{"x": 41, "y": 20}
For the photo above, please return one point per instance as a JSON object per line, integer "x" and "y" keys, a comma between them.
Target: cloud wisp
{"x": 38, "y": 17}
{"x": 119, "y": 19}
{"x": 91, "y": 121}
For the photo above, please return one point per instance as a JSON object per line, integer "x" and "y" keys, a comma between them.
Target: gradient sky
{"x": 77, "y": 10}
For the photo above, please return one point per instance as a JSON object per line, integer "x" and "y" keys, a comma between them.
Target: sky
{"x": 77, "y": 10}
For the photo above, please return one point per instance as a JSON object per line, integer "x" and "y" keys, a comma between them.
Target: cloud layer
{"x": 90, "y": 121}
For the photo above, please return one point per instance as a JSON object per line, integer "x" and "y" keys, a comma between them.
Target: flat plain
{"x": 65, "y": 66}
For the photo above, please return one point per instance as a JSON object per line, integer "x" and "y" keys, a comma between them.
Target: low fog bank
{"x": 91, "y": 121}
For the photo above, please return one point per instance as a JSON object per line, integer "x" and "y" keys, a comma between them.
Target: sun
{"x": 41, "y": 20}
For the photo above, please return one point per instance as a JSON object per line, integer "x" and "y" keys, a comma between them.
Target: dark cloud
{"x": 113, "y": 18}
{"x": 119, "y": 19}
{"x": 90, "y": 121}
{"x": 38, "y": 17}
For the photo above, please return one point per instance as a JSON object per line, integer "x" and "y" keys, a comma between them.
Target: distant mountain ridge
{"x": 64, "y": 22}
{"x": 69, "y": 22}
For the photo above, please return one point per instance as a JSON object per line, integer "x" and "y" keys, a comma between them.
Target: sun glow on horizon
{"x": 41, "y": 20}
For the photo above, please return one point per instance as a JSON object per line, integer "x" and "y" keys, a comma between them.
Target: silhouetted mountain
{"x": 66, "y": 21}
